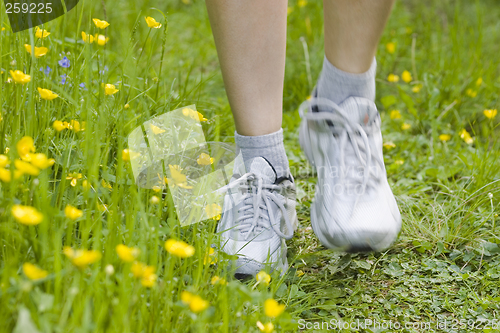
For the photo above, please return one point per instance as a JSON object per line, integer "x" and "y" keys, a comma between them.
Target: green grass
{"x": 445, "y": 265}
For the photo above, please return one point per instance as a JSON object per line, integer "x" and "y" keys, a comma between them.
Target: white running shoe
{"x": 259, "y": 215}
{"x": 354, "y": 208}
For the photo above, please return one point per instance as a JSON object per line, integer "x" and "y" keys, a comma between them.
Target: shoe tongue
{"x": 359, "y": 110}
{"x": 261, "y": 167}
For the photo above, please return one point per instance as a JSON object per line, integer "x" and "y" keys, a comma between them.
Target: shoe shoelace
{"x": 255, "y": 212}
{"x": 350, "y": 133}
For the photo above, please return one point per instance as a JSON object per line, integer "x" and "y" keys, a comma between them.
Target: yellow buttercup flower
{"x": 196, "y": 303}
{"x": 25, "y": 146}
{"x": 390, "y": 47}
{"x": 41, "y": 33}
{"x": 47, "y": 94}
{"x": 58, "y": 125}
{"x": 406, "y": 76}
{"x": 393, "y": 78}
{"x": 74, "y": 178}
{"x": 395, "y": 114}
{"x": 101, "y": 39}
{"x": 72, "y": 212}
{"x": 490, "y": 114}
{"x": 263, "y": 278}
{"x": 265, "y": 328}
{"x": 389, "y": 145}
{"x": 179, "y": 248}
{"x": 127, "y": 254}
{"x": 26, "y": 168}
{"x": 106, "y": 185}
{"x": 109, "y": 89}
{"x": 101, "y": 24}
{"x": 405, "y": 126}
{"x": 145, "y": 273}
{"x": 195, "y": 115}
{"x": 466, "y": 136}
{"x": 213, "y": 211}
{"x": 272, "y": 308}
{"x": 210, "y": 257}
{"x": 126, "y": 106}
{"x": 33, "y": 272}
{"x": 75, "y": 126}
{"x": 302, "y": 3}
{"x": 20, "y": 77}
{"x": 154, "y": 200}
{"x": 26, "y": 215}
{"x": 39, "y": 51}
{"x": 479, "y": 81}
{"x": 471, "y": 93}
{"x": 41, "y": 161}
{"x": 218, "y": 280}
{"x": 4, "y": 161}
{"x": 399, "y": 162}
{"x": 152, "y": 23}
{"x": 5, "y": 175}
{"x": 416, "y": 88}
{"x": 178, "y": 177}
{"x": 444, "y": 137}
{"x": 81, "y": 258}
{"x": 205, "y": 159}
{"x": 87, "y": 38}
{"x": 125, "y": 155}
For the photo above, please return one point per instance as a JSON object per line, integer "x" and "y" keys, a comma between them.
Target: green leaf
{"x": 24, "y": 322}
{"x": 388, "y": 100}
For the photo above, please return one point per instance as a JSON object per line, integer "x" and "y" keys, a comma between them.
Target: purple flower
{"x": 64, "y": 77}
{"x": 46, "y": 71}
{"x": 64, "y": 62}
{"x": 82, "y": 85}
{"x": 105, "y": 70}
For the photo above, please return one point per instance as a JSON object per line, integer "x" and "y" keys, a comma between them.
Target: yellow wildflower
{"x": 33, "y": 272}
{"x": 145, "y": 273}
{"x": 471, "y": 93}
{"x": 299, "y": 273}
{"x": 127, "y": 254}
{"x": 81, "y": 258}
{"x": 109, "y": 89}
{"x": 195, "y": 115}
{"x": 205, "y": 159}
{"x": 47, "y": 94}
{"x": 154, "y": 200}
{"x": 39, "y": 51}
{"x": 389, "y": 145}
{"x": 416, "y": 88}
{"x": 195, "y": 302}
{"x": 4, "y": 161}
{"x": 490, "y": 114}
{"x": 25, "y": 168}
{"x": 41, "y": 161}
{"x": 101, "y": 24}
{"x": 58, "y": 125}
{"x": 399, "y": 162}
{"x": 393, "y": 78}
{"x": 151, "y": 22}
{"x": 395, "y": 114}
{"x": 26, "y": 215}
{"x": 289, "y": 10}
{"x": 302, "y": 3}
{"x": 126, "y": 106}
{"x": 106, "y": 185}
{"x": 210, "y": 257}
{"x": 179, "y": 248}
{"x": 263, "y": 278}
{"x": 218, "y": 280}
{"x": 272, "y": 308}
{"x": 406, "y": 76}
{"x": 213, "y": 211}
{"x": 178, "y": 177}
{"x": 466, "y": 136}
{"x": 479, "y": 81}
{"x": 87, "y": 38}
{"x": 72, "y": 212}
{"x": 101, "y": 39}
{"x": 25, "y": 146}
{"x": 156, "y": 129}
{"x": 5, "y": 175}
{"x": 41, "y": 33}
{"x": 265, "y": 328}
{"x": 74, "y": 178}
{"x": 125, "y": 155}
{"x": 405, "y": 126}
{"x": 20, "y": 77}
{"x": 75, "y": 125}
{"x": 444, "y": 137}
{"x": 390, "y": 47}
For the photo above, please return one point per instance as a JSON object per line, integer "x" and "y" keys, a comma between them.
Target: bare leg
{"x": 352, "y": 31}
{"x": 250, "y": 36}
